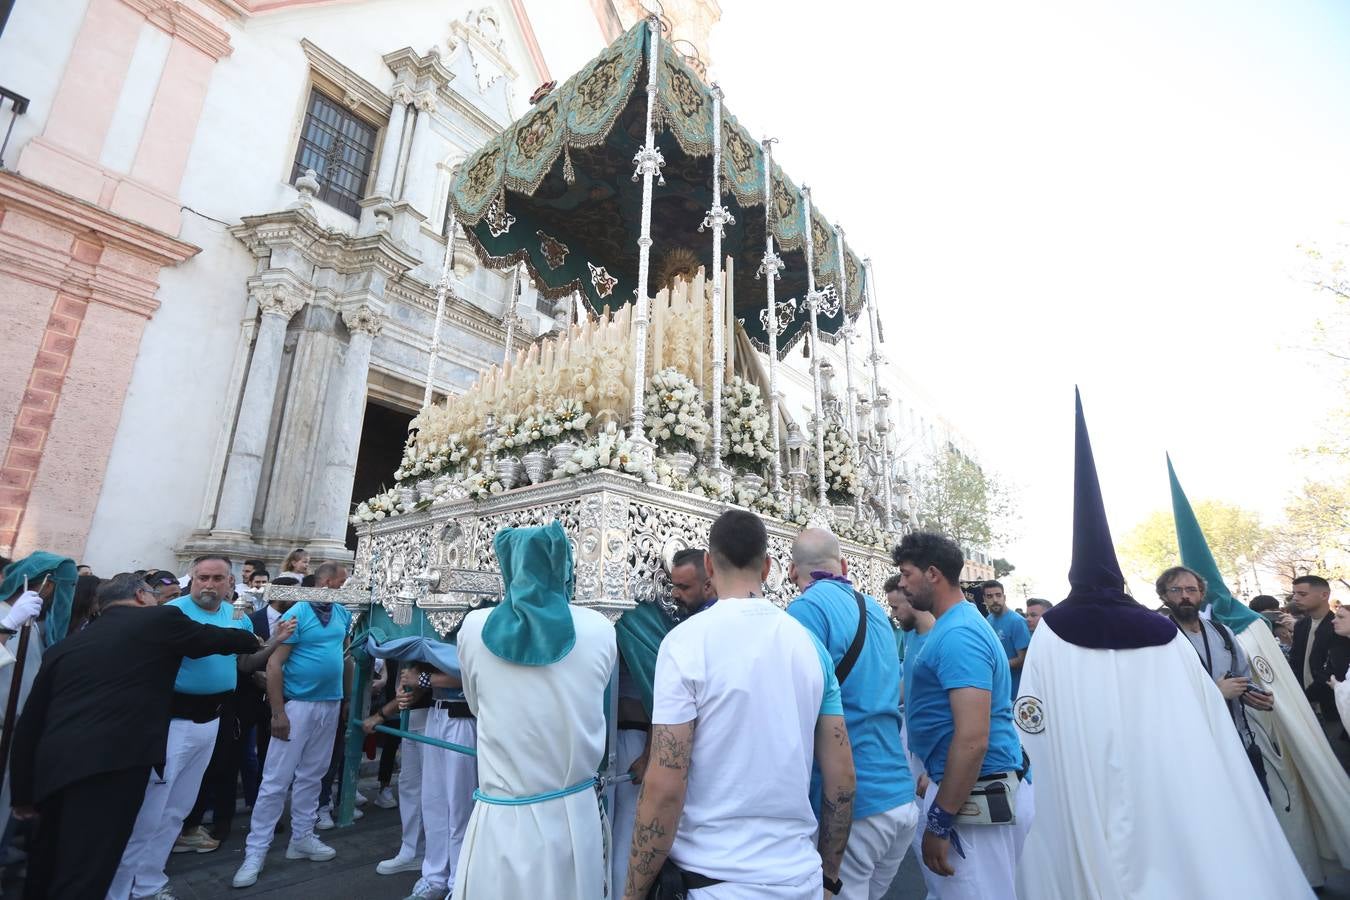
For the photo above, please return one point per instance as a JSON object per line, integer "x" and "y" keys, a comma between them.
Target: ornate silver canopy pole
{"x": 848, "y": 333}
{"x": 880, "y": 399}
{"x": 442, "y": 288}
{"x": 814, "y": 300}
{"x": 769, "y": 268}
{"x": 718, "y": 218}
{"x": 649, "y": 162}
{"x": 512, "y": 317}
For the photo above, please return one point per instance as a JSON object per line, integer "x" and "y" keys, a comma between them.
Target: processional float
{"x": 636, "y": 427}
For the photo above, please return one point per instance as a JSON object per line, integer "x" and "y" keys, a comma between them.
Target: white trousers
{"x": 986, "y": 872}
{"x": 809, "y": 888}
{"x": 297, "y": 765}
{"x": 448, "y": 782}
{"x": 630, "y": 746}
{"x": 876, "y": 847}
{"x": 168, "y": 801}
{"x": 410, "y": 785}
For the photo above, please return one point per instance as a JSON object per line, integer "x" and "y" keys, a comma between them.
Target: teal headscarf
{"x": 1195, "y": 554}
{"x": 533, "y": 624}
{"x": 62, "y": 572}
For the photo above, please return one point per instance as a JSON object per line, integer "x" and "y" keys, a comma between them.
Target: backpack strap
{"x": 859, "y": 638}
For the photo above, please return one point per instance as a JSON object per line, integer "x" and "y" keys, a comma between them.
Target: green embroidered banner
{"x": 574, "y": 221}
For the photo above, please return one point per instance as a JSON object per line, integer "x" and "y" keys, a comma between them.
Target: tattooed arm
{"x": 835, "y": 757}
{"x": 659, "y": 805}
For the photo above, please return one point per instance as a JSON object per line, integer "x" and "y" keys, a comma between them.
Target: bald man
{"x": 885, "y": 815}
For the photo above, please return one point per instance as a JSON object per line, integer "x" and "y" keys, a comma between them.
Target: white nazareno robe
{"x": 540, "y": 729}
{"x": 1309, "y": 790}
{"x": 1142, "y": 784}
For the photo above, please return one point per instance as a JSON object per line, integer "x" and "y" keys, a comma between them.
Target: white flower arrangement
{"x": 381, "y": 506}
{"x": 704, "y": 484}
{"x": 675, "y": 417}
{"x": 571, "y": 418}
{"x": 843, "y": 481}
{"x": 610, "y": 449}
{"x": 747, "y": 442}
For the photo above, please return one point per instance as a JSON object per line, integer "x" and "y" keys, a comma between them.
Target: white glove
{"x": 24, "y": 610}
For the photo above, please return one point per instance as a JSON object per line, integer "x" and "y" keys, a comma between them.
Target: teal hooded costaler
{"x": 533, "y": 624}
{"x": 1195, "y": 554}
{"x": 63, "y": 574}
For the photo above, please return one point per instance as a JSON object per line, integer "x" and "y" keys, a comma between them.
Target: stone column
{"x": 341, "y": 434}
{"x": 391, "y": 149}
{"x": 239, "y": 492}
{"x": 419, "y": 185}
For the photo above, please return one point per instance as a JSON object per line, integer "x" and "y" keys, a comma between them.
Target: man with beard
{"x": 1011, "y": 629}
{"x": 1183, "y": 591}
{"x": 914, "y": 627}
{"x": 958, "y": 712}
{"x": 690, "y": 586}
{"x": 201, "y": 693}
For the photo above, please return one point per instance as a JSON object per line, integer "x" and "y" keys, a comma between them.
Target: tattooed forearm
{"x": 839, "y": 734}
{"x": 836, "y": 820}
{"x": 659, "y": 805}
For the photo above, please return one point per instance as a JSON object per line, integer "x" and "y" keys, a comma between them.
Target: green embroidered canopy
{"x": 556, "y": 191}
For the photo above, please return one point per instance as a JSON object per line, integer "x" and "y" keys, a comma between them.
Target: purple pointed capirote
{"x": 1098, "y": 614}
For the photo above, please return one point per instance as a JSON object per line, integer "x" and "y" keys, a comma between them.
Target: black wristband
{"x": 833, "y": 885}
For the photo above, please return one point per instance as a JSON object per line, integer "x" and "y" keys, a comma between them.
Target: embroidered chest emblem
{"x": 1029, "y": 715}
{"x": 1263, "y": 669}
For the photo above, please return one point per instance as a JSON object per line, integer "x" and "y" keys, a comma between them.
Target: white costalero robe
{"x": 1142, "y": 785}
{"x": 1301, "y": 768}
{"x": 540, "y": 729}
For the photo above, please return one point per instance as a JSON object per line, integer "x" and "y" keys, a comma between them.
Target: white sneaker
{"x": 361, "y": 799}
{"x": 325, "y": 820}
{"x": 247, "y": 875}
{"x": 425, "y": 890}
{"x": 356, "y": 814}
{"x": 385, "y": 799}
{"x": 400, "y": 863}
{"x": 310, "y": 848}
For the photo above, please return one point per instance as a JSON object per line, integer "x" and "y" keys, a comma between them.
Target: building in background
{"x": 208, "y": 350}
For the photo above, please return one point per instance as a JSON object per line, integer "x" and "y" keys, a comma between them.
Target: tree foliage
{"x": 957, "y": 498}
{"x": 1315, "y": 535}
{"x": 1235, "y": 537}
{"x": 1003, "y": 568}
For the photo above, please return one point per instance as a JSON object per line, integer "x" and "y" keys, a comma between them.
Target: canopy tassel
{"x": 806, "y": 346}
{"x": 569, "y": 174}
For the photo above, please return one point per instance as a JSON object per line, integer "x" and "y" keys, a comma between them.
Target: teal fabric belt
{"x": 577, "y": 788}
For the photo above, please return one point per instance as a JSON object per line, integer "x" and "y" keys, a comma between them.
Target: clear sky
{"x": 1075, "y": 192}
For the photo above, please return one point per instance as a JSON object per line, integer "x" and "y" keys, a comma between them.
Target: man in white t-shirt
{"x": 743, "y": 697}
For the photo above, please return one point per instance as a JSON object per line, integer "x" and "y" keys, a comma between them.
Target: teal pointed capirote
{"x": 1195, "y": 554}
{"x": 533, "y": 625}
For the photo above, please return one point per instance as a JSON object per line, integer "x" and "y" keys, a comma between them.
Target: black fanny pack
{"x": 455, "y": 709}
{"x": 200, "y": 708}
{"x": 674, "y": 883}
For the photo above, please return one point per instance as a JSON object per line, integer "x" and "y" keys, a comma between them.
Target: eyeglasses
{"x": 1178, "y": 591}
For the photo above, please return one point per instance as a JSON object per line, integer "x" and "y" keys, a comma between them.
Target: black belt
{"x": 997, "y": 776}
{"x": 455, "y": 709}
{"x": 634, "y": 725}
{"x": 200, "y": 708}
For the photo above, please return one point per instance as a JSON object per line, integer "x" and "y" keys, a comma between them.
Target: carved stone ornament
{"x": 498, "y": 220}
{"x": 425, "y": 101}
{"x": 403, "y": 94}
{"x": 278, "y": 300}
{"x": 623, "y": 534}
{"x": 555, "y": 251}
{"x": 363, "y": 320}
{"x": 601, "y": 280}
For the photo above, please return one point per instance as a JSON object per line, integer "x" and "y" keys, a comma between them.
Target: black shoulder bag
{"x": 859, "y": 638}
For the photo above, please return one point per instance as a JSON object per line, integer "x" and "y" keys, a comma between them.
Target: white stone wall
{"x": 33, "y": 53}
{"x": 165, "y": 467}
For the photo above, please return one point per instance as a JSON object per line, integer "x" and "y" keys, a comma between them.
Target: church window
{"x": 340, "y": 147}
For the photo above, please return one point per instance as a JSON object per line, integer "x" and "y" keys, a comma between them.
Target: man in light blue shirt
{"x": 307, "y": 679}
{"x": 884, "y": 813}
{"x": 200, "y": 691}
{"x": 958, "y": 711}
{"x": 1011, "y": 629}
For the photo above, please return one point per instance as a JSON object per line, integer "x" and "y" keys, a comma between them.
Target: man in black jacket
{"x": 96, "y": 723}
{"x": 1312, "y": 638}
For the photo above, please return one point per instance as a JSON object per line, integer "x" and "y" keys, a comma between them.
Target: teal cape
{"x": 533, "y": 624}
{"x": 1195, "y": 554}
{"x": 62, "y": 572}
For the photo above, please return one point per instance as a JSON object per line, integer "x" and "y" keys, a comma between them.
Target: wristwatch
{"x": 833, "y": 885}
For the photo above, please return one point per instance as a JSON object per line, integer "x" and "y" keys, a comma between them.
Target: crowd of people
{"x": 764, "y": 753}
